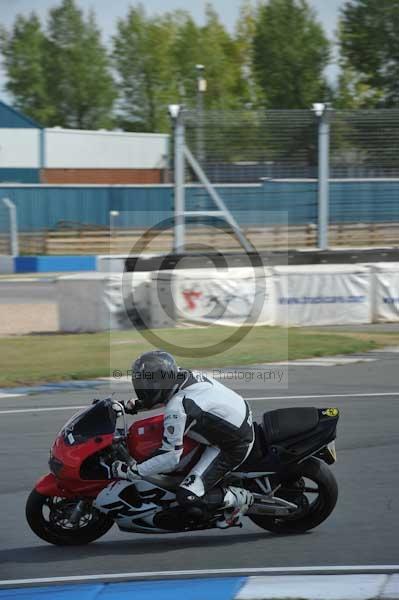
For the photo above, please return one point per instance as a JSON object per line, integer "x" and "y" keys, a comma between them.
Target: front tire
{"x": 315, "y": 512}
{"x": 48, "y": 519}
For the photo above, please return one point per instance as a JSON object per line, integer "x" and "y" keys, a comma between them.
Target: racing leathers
{"x": 216, "y": 416}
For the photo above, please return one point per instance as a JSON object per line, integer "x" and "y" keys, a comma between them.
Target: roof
{"x": 12, "y": 118}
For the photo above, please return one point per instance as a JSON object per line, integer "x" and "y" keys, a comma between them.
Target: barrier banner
{"x": 235, "y": 296}
{"x": 386, "y": 292}
{"x": 127, "y": 298}
{"x": 322, "y": 295}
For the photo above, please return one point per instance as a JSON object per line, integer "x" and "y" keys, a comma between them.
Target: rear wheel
{"x": 48, "y": 517}
{"x": 314, "y": 489}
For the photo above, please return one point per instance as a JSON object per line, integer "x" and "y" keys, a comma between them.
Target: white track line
{"x": 306, "y": 397}
{"x": 208, "y": 572}
{"x": 33, "y": 409}
{"x": 4, "y": 396}
{"x": 357, "y": 395}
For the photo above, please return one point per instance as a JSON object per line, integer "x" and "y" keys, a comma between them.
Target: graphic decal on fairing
{"x": 133, "y": 506}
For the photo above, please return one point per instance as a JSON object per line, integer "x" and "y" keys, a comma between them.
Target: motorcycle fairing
{"x": 288, "y": 436}
{"x": 133, "y": 506}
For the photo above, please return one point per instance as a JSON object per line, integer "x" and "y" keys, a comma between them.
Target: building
{"x": 30, "y": 153}
{"x": 21, "y": 147}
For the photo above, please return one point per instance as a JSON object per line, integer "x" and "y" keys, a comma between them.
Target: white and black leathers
{"x": 207, "y": 411}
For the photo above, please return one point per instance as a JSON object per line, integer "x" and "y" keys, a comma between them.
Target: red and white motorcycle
{"x": 78, "y": 501}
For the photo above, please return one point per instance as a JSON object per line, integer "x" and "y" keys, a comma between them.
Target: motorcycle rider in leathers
{"x": 207, "y": 411}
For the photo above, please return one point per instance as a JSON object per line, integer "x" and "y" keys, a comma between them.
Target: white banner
{"x": 235, "y": 296}
{"x": 303, "y": 295}
{"x": 386, "y": 292}
{"x": 322, "y": 295}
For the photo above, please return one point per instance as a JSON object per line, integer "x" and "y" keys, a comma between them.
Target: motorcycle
{"x": 287, "y": 472}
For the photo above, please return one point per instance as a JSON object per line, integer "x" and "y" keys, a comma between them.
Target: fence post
{"x": 201, "y": 89}
{"x": 176, "y": 112}
{"x": 13, "y": 224}
{"x": 322, "y": 112}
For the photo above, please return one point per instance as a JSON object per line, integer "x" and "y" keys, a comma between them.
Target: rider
{"x": 207, "y": 411}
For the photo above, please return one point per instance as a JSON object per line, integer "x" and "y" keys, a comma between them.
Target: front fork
{"x": 78, "y": 512}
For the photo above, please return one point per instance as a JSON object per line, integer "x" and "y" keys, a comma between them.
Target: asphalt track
{"x": 364, "y": 528}
{"x": 21, "y": 292}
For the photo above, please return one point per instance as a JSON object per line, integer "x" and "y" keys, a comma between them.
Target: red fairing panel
{"x": 48, "y": 486}
{"x": 145, "y": 438}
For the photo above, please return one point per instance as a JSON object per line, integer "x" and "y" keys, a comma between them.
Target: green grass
{"x": 46, "y": 358}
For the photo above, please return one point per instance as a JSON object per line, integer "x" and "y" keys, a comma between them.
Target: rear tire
{"x": 318, "y": 472}
{"x": 48, "y": 530}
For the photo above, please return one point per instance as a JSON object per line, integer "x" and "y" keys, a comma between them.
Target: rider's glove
{"x": 121, "y": 470}
{"x": 130, "y": 407}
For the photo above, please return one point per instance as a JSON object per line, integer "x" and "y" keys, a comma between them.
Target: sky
{"x": 107, "y": 13}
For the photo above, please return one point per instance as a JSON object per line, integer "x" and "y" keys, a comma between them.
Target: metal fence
{"x": 287, "y": 179}
{"x": 244, "y": 146}
{"x": 8, "y": 228}
{"x": 337, "y": 170}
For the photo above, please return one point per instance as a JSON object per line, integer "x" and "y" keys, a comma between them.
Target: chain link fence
{"x": 365, "y": 144}
{"x": 246, "y": 146}
{"x": 266, "y": 163}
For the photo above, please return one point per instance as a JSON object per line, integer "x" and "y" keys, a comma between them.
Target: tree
{"x": 81, "y": 88}
{"x": 290, "y": 53}
{"x": 369, "y": 45}
{"x": 156, "y": 59}
{"x": 187, "y": 54}
{"x": 353, "y": 92}
{"x": 143, "y": 49}
{"x": 24, "y": 50}
{"x": 244, "y": 36}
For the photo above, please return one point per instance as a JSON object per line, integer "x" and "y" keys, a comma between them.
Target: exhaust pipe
{"x": 272, "y": 510}
{"x": 275, "y": 506}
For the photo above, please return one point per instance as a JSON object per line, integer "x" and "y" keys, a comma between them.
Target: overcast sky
{"x": 108, "y": 11}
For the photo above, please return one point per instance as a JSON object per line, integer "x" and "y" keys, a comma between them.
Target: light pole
{"x": 321, "y": 111}
{"x": 176, "y": 114}
{"x": 201, "y": 89}
{"x": 113, "y": 220}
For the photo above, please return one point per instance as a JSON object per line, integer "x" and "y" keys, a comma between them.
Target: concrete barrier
{"x": 99, "y": 301}
{"x": 285, "y": 296}
{"x": 6, "y": 264}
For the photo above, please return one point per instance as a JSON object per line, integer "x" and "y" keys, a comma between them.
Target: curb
{"x": 308, "y": 583}
{"x": 52, "y": 387}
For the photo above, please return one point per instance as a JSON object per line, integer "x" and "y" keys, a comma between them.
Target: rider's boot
{"x": 236, "y": 503}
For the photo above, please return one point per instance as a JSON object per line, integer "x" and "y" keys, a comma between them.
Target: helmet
{"x": 155, "y": 377}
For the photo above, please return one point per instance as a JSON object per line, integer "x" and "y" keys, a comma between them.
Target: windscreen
{"x": 98, "y": 419}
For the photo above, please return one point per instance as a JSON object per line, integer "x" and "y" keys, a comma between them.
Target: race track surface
{"x": 364, "y": 528}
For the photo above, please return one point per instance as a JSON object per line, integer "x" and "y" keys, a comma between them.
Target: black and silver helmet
{"x": 155, "y": 377}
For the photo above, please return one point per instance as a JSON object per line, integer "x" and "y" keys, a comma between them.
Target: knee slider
{"x": 188, "y": 499}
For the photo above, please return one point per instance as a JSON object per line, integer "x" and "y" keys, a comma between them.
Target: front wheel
{"x": 48, "y": 517}
{"x": 314, "y": 489}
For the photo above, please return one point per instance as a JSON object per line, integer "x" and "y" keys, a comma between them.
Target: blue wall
{"x": 56, "y": 264}
{"x": 41, "y": 207}
{"x": 19, "y": 175}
